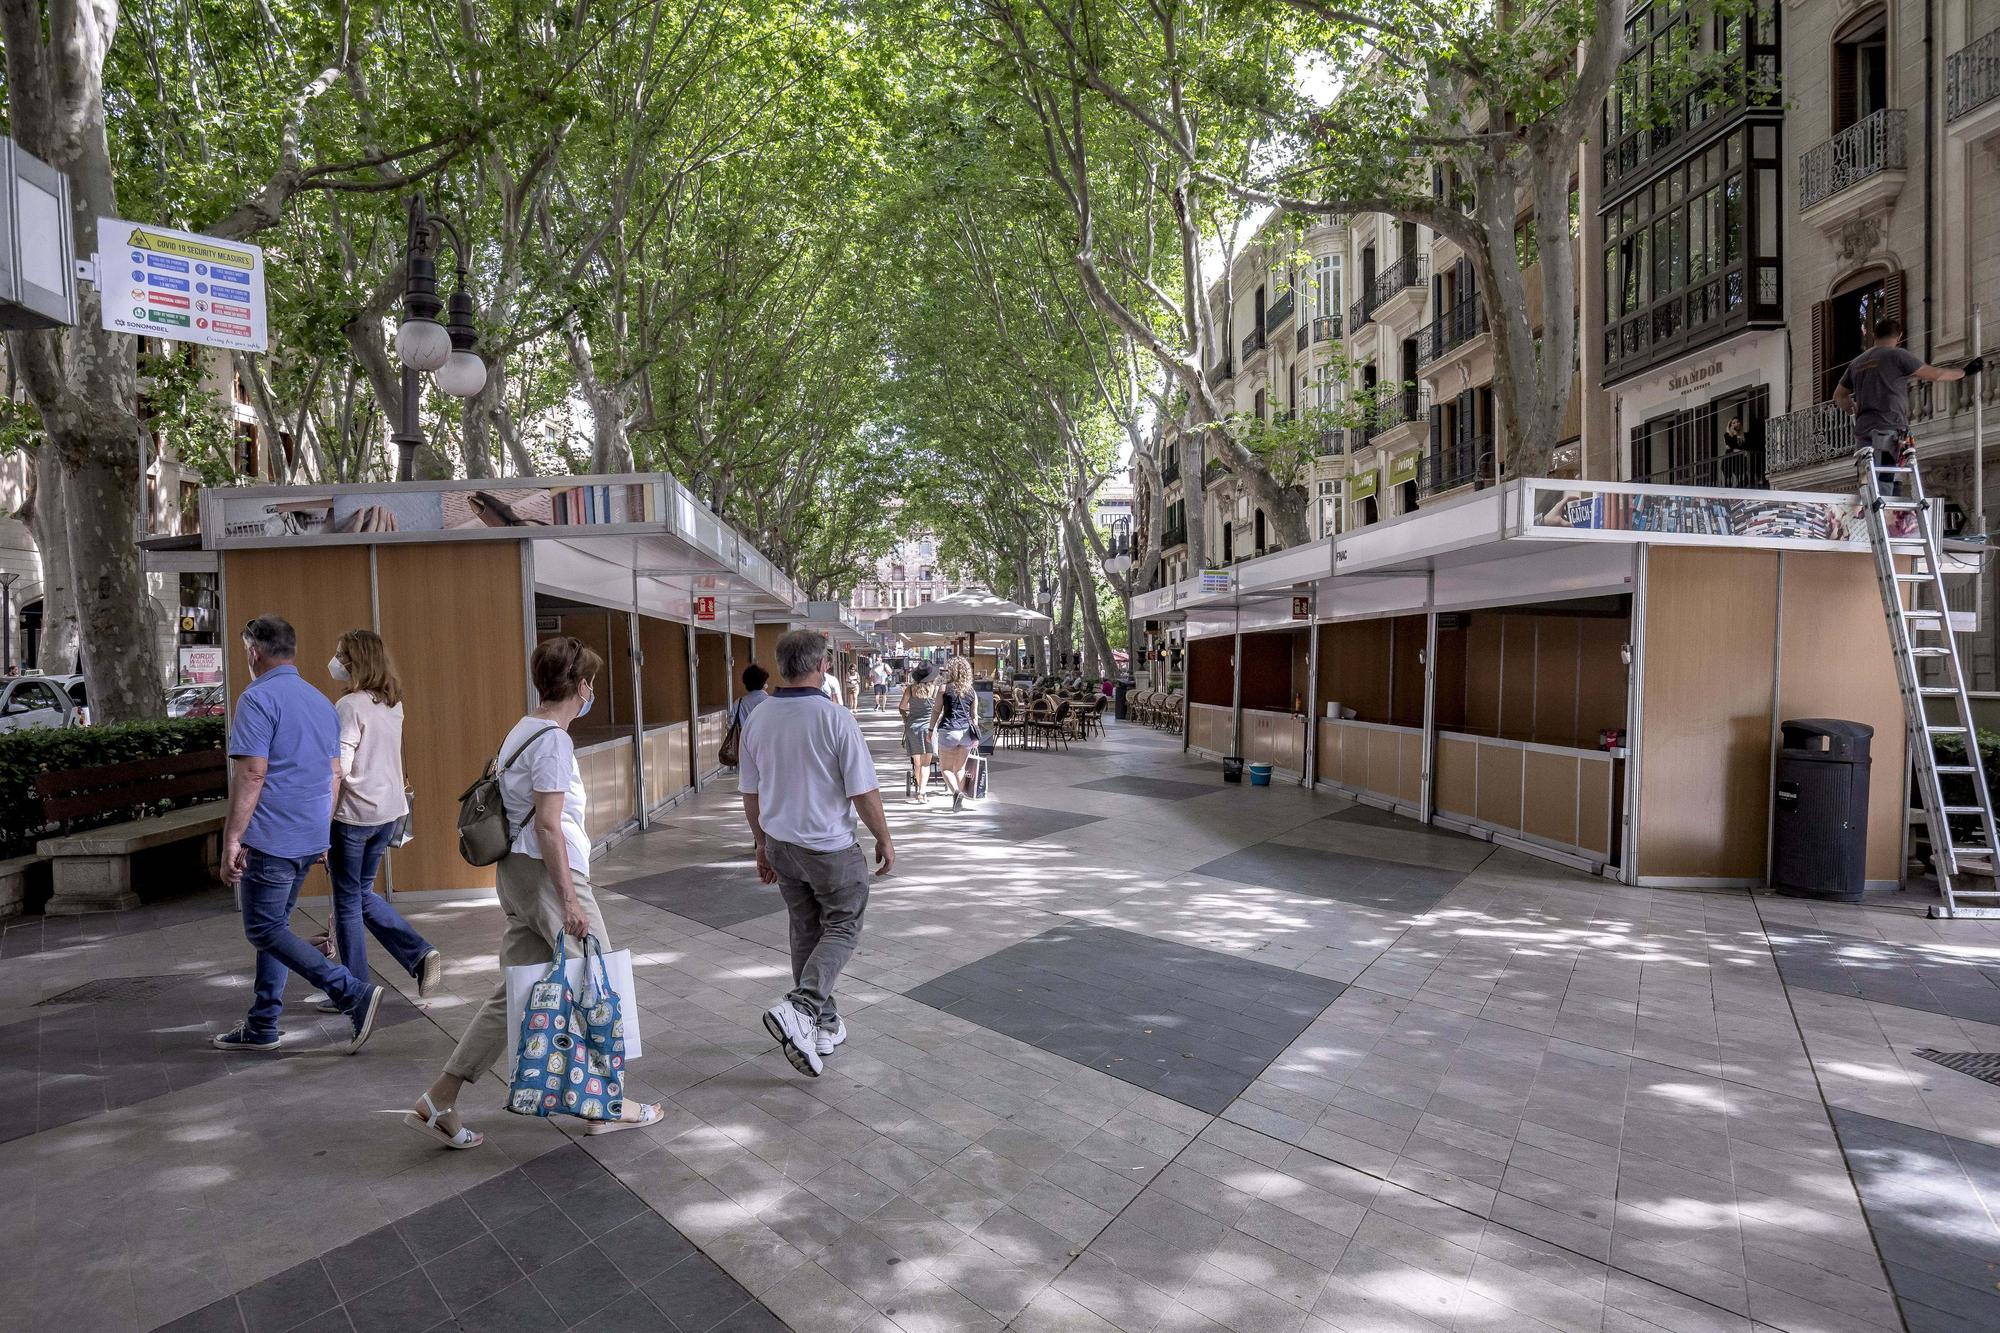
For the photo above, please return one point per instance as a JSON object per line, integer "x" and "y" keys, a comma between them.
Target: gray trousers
{"x": 825, "y": 895}
{"x": 534, "y": 922}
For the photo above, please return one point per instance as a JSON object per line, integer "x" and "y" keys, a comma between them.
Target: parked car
{"x": 30, "y": 702}
{"x": 195, "y": 701}
{"x": 78, "y": 695}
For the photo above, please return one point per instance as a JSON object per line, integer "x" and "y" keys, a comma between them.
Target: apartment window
{"x": 922, "y": 598}
{"x": 1258, "y": 407}
{"x": 1329, "y": 508}
{"x": 1326, "y": 286}
{"x": 1638, "y": 130}
{"x": 1843, "y": 325}
{"x": 1861, "y": 68}
{"x": 1695, "y": 254}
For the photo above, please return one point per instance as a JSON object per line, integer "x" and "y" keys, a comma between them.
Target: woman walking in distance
{"x": 919, "y": 708}
{"x": 956, "y": 724}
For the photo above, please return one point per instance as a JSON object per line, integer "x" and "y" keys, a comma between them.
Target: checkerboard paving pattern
{"x": 1395, "y": 1079}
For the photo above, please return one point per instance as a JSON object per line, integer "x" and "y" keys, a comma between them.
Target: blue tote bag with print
{"x": 602, "y": 1014}
{"x": 548, "y": 1071}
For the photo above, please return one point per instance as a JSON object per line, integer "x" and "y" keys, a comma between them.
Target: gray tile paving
{"x": 720, "y": 894}
{"x": 116, "y": 1042}
{"x": 1913, "y": 976}
{"x": 1932, "y": 1200}
{"x": 1159, "y": 789}
{"x": 1366, "y": 881}
{"x": 25, "y": 937}
{"x": 506, "y": 1254}
{"x": 1191, "y": 1025}
{"x": 1014, "y": 823}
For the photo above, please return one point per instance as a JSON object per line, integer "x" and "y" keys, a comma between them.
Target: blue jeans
{"x": 270, "y": 890}
{"x": 359, "y": 911}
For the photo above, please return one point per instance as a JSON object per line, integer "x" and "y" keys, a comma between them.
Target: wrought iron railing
{"x": 1332, "y": 442}
{"x": 1326, "y": 328}
{"x": 1463, "y": 463}
{"x": 1739, "y": 469}
{"x": 1972, "y": 76}
{"x": 1870, "y": 146}
{"x": 1455, "y": 327}
{"x": 1253, "y": 343}
{"x": 1393, "y": 411}
{"x": 1225, "y": 370}
{"x": 1405, "y": 273}
{"x": 1172, "y": 537}
{"x": 1304, "y": 336}
{"x": 1170, "y": 467}
{"x": 1280, "y": 311}
{"x": 1817, "y": 434}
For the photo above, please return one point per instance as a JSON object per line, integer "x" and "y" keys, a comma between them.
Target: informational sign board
{"x": 201, "y": 664}
{"x": 1403, "y": 467}
{"x": 1216, "y": 580}
{"x": 468, "y": 509}
{"x": 1361, "y": 485}
{"x": 1302, "y": 608}
{"x": 704, "y": 608}
{"x": 156, "y": 282}
{"x": 1571, "y": 509}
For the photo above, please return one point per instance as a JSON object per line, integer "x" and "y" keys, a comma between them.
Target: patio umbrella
{"x": 972, "y": 611}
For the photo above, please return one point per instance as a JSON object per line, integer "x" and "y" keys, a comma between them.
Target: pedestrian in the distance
{"x": 919, "y": 708}
{"x": 755, "y": 678}
{"x": 829, "y": 680}
{"x": 806, "y": 774}
{"x": 956, "y": 726}
{"x": 879, "y": 672}
{"x": 284, "y": 751}
{"x": 854, "y": 687}
{"x": 370, "y": 805}
{"x": 544, "y": 880}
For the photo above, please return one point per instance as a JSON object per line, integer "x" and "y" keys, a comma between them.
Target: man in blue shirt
{"x": 284, "y": 750}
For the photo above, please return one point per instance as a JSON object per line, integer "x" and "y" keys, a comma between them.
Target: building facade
{"x": 907, "y": 576}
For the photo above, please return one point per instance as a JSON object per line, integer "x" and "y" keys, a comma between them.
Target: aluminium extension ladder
{"x": 1920, "y": 629}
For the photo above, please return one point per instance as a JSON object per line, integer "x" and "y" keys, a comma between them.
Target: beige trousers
{"x": 534, "y": 921}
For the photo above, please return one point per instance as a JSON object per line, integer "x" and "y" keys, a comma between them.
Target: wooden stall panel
{"x": 1448, "y": 694}
{"x": 666, "y": 762}
{"x": 323, "y": 592}
{"x": 714, "y": 727}
{"x": 1354, "y": 667}
{"x": 1384, "y": 762}
{"x": 663, "y": 675}
{"x": 451, "y": 613}
{"x": 1457, "y": 780}
{"x": 1705, "y": 765}
{"x": 1517, "y": 677}
{"x": 1596, "y": 808}
{"x": 609, "y": 802}
{"x": 1288, "y": 743}
{"x": 1410, "y": 767}
{"x": 1482, "y": 674}
{"x": 711, "y": 669}
{"x": 1499, "y": 798}
{"x": 744, "y": 653}
{"x": 1549, "y": 796}
{"x": 766, "y": 647}
{"x": 1326, "y": 739}
{"x": 1603, "y": 682}
{"x": 1406, "y": 682}
{"x": 1834, "y": 662}
{"x": 1557, "y": 640}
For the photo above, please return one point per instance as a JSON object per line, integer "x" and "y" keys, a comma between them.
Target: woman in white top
{"x": 368, "y": 806}
{"x": 544, "y": 880}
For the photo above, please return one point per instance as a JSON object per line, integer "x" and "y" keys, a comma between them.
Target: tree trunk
{"x": 1096, "y": 645}
{"x": 56, "y": 652}
{"x": 84, "y": 380}
{"x": 610, "y": 450}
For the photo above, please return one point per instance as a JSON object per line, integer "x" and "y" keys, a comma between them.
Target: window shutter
{"x": 1821, "y": 336}
{"x": 1892, "y": 297}
{"x": 1846, "y": 99}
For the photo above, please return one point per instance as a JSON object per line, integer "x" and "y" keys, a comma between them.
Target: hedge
{"x": 26, "y": 755}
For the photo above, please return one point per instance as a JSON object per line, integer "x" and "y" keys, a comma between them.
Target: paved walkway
{"x": 1131, "y": 1050}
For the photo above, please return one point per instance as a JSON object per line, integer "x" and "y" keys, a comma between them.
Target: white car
{"x": 29, "y": 702}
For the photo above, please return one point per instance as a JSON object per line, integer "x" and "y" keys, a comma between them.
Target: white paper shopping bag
{"x": 617, "y": 967}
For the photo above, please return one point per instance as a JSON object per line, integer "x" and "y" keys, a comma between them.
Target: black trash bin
{"x": 1119, "y": 709}
{"x": 1819, "y": 828}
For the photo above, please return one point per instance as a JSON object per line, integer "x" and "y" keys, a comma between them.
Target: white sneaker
{"x": 430, "y": 971}
{"x": 825, "y": 1039}
{"x": 795, "y": 1031}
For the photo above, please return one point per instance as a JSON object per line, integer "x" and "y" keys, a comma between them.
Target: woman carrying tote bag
{"x": 544, "y": 880}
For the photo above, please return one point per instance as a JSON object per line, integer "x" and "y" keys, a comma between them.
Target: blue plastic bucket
{"x": 1260, "y": 775}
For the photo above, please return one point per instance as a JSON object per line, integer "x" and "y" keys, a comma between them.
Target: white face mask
{"x": 336, "y": 670}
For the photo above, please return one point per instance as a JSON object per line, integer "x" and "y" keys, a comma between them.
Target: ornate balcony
{"x": 1408, "y": 272}
{"x": 1818, "y": 434}
{"x": 1871, "y": 149}
{"x": 1280, "y": 311}
{"x": 1326, "y": 328}
{"x": 1332, "y": 442}
{"x": 1253, "y": 343}
{"x": 1972, "y": 77}
{"x": 1401, "y": 409}
{"x": 1462, "y": 463}
{"x": 1453, "y": 329}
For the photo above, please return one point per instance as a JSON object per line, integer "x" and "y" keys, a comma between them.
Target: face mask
{"x": 588, "y": 701}
{"x": 336, "y": 670}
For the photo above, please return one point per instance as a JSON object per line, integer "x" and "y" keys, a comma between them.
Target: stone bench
{"x": 91, "y": 871}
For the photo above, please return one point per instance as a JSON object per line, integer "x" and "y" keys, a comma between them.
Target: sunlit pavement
{"x": 1458, "y": 1088}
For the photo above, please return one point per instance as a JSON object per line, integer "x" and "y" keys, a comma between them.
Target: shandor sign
{"x": 156, "y": 282}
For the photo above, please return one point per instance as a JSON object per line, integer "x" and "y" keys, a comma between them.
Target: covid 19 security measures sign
{"x": 160, "y": 283}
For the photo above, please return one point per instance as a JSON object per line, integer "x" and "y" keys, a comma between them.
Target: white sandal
{"x": 649, "y": 1115}
{"x": 428, "y": 1126}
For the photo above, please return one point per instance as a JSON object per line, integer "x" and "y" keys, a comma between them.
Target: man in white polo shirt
{"x": 805, "y": 774}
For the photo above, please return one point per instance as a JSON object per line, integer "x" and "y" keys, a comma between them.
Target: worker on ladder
{"x": 1875, "y": 388}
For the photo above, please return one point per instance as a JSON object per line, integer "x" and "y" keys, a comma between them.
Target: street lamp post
{"x": 423, "y": 344}
{"x": 7, "y": 582}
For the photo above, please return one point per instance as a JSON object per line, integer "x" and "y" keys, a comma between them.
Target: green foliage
{"x": 26, "y": 755}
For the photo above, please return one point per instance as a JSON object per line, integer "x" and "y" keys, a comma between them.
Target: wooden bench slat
{"x": 66, "y": 782}
{"x": 60, "y": 808}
